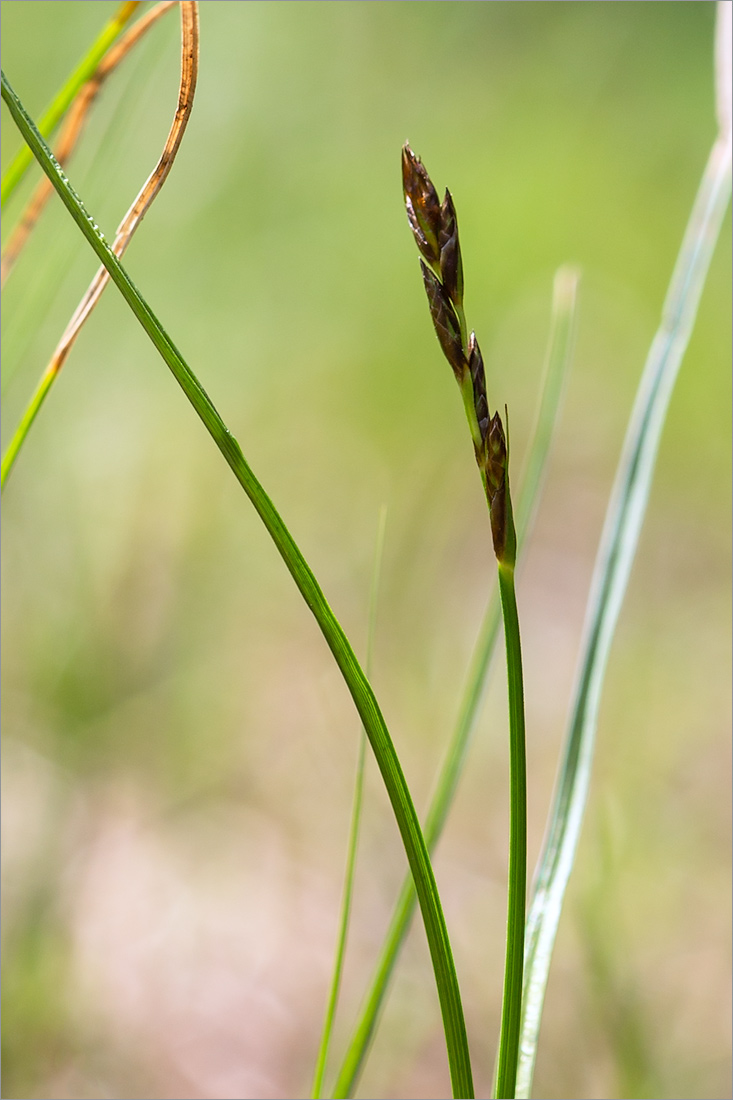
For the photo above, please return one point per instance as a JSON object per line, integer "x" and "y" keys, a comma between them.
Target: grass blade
{"x": 61, "y": 103}
{"x": 353, "y": 834}
{"x": 357, "y": 683}
{"x": 557, "y": 363}
{"x": 619, "y": 540}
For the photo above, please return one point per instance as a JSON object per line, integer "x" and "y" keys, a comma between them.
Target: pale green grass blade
{"x": 357, "y": 683}
{"x": 26, "y": 422}
{"x": 353, "y": 833}
{"x": 616, "y": 552}
{"x": 559, "y": 352}
{"x": 60, "y": 104}
{"x": 557, "y": 363}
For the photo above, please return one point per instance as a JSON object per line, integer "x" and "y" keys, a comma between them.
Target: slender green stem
{"x": 353, "y": 834}
{"x": 333, "y": 996}
{"x": 517, "y": 893}
{"x": 357, "y": 683}
{"x": 557, "y": 362}
{"x": 616, "y": 552}
{"x": 57, "y": 109}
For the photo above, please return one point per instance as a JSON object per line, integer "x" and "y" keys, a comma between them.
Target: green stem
{"x": 322, "y": 1058}
{"x": 338, "y": 967}
{"x": 55, "y": 112}
{"x": 357, "y": 683}
{"x": 517, "y": 893}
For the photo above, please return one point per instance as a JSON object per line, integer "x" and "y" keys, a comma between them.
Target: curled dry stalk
{"x": 72, "y": 130}
{"x": 435, "y": 228}
{"x": 127, "y": 227}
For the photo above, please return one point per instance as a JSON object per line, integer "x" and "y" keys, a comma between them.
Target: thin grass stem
{"x": 61, "y": 102}
{"x": 357, "y": 683}
{"x": 354, "y": 828}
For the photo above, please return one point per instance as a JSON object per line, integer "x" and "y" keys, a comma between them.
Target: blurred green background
{"x": 178, "y": 746}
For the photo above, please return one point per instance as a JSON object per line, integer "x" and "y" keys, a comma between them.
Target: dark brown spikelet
{"x": 478, "y": 377}
{"x": 423, "y": 206}
{"x": 496, "y": 483}
{"x": 451, "y": 265}
{"x": 445, "y": 321}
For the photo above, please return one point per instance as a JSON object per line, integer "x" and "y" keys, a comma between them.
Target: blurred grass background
{"x": 179, "y": 748}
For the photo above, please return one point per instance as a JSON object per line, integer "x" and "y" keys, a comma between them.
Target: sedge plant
{"x": 616, "y": 553}
{"x": 435, "y": 229}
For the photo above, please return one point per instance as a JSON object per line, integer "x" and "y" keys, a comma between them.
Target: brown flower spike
{"x": 435, "y": 228}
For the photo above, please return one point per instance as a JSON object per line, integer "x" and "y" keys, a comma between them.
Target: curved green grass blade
{"x": 356, "y": 681}
{"x": 624, "y": 519}
{"x": 557, "y": 362}
{"x": 62, "y": 101}
{"x": 338, "y": 966}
